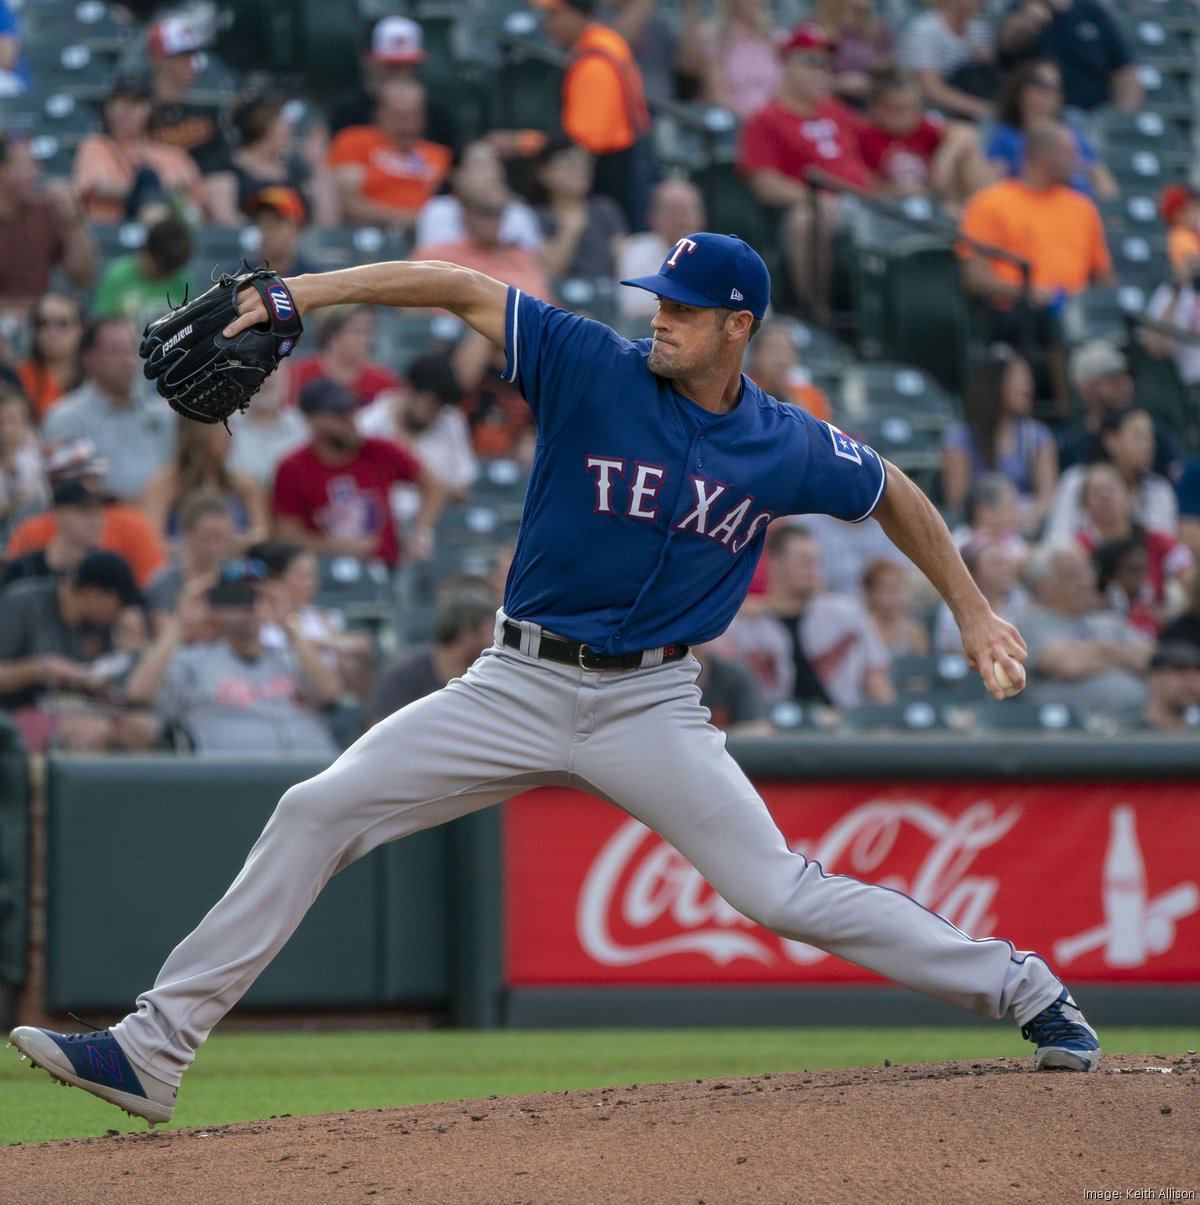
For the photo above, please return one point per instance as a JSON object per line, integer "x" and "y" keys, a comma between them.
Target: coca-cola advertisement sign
{"x": 1102, "y": 879}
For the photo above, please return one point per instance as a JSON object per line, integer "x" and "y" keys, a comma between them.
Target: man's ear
{"x": 738, "y": 323}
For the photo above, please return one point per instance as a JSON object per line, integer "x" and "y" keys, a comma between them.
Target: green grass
{"x": 241, "y": 1077}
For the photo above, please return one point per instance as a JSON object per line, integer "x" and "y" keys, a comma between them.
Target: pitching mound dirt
{"x": 991, "y": 1131}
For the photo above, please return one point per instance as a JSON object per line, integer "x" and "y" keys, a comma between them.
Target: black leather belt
{"x": 569, "y": 652}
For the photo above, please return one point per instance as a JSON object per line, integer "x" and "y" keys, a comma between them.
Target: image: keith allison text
{"x": 1139, "y": 1194}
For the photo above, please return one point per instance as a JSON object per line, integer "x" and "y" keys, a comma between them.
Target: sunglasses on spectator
{"x": 251, "y": 570}
{"x": 485, "y": 211}
{"x": 61, "y": 320}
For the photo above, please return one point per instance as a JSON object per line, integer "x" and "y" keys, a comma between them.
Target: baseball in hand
{"x": 1002, "y": 678}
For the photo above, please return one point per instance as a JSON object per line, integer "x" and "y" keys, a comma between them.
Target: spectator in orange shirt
{"x": 604, "y": 104}
{"x": 124, "y": 530}
{"x": 386, "y": 171}
{"x": 54, "y": 365}
{"x": 774, "y": 364}
{"x": 1056, "y": 230}
{"x": 481, "y": 248}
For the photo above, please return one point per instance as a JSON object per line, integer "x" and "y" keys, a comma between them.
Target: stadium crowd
{"x": 340, "y": 549}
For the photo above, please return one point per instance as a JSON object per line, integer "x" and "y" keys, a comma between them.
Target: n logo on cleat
{"x": 106, "y": 1064}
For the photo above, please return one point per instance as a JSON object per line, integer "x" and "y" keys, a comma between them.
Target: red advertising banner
{"x": 1101, "y": 879}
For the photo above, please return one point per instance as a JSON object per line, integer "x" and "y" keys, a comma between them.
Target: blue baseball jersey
{"x": 645, "y": 513}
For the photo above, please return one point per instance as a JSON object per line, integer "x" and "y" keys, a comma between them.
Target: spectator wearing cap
{"x": 279, "y": 215}
{"x": 1085, "y": 41}
{"x": 209, "y": 539}
{"x": 1173, "y": 687}
{"x": 52, "y": 366}
{"x": 267, "y": 157}
{"x": 345, "y": 338}
{"x": 385, "y": 171}
{"x": 124, "y": 529}
{"x": 1057, "y": 231}
{"x": 676, "y": 210}
{"x": 1103, "y": 383}
{"x": 396, "y": 51}
{"x": 1176, "y": 302}
{"x": 142, "y": 285}
{"x": 423, "y": 415}
{"x": 583, "y": 232}
{"x": 23, "y": 486}
{"x": 333, "y": 495}
{"x": 57, "y": 673}
{"x": 804, "y": 128}
{"x": 604, "y": 104}
{"x": 121, "y": 170}
{"x": 482, "y": 247}
{"x": 232, "y": 695}
{"x": 78, "y": 523}
{"x": 15, "y": 79}
{"x": 41, "y": 230}
{"x": 173, "y": 47}
{"x": 1080, "y": 654}
{"x": 441, "y": 217}
{"x": 464, "y": 625}
{"x": 950, "y": 50}
{"x": 1127, "y": 440}
{"x": 116, "y": 410}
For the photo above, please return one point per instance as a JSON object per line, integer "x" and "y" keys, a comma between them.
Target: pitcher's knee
{"x": 306, "y": 804}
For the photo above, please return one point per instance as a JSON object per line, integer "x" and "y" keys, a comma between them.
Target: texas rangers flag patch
{"x": 843, "y": 445}
{"x": 281, "y": 302}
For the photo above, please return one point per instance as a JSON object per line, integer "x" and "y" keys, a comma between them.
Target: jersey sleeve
{"x": 554, "y": 357}
{"x": 839, "y": 476}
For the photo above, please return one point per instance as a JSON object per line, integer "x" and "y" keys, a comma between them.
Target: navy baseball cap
{"x": 711, "y": 270}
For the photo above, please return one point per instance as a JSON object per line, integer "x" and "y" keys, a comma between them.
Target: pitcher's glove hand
{"x": 203, "y": 375}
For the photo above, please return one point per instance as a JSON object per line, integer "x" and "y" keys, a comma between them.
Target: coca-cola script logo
{"x": 639, "y": 884}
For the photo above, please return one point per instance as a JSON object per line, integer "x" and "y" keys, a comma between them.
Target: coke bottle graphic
{"x": 1124, "y": 891}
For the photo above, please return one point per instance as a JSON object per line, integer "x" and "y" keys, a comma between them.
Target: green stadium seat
{"x": 1158, "y": 388}
{"x": 1145, "y": 130}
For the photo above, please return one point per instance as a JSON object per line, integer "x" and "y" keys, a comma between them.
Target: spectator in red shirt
{"x": 332, "y": 496}
{"x": 914, "y": 153}
{"x": 804, "y": 127}
{"x": 345, "y": 339}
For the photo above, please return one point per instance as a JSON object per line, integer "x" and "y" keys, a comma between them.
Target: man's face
{"x": 80, "y": 526}
{"x": 211, "y": 540}
{"x": 279, "y": 236}
{"x": 897, "y": 112}
{"x": 482, "y": 217}
{"x": 1106, "y": 498}
{"x": 796, "y": 568}
{"x": 676, "y": 212}
{"x": 335, "y": 431}
{"x": 806, "y": 74}
{"x": 1112, "y": 391}
{"x": 20, "y": 174}
{"x": 561, "y": 26}
{"x": 996, "y": 570}
{"x": 401, "y": 112}
{"x": 1071, "y": 585}
{"x": 238, "y": 625}
{"x": 687, "y": 339}
{"x": 773, "y": 356}
{"x": 112, "y": 362}
{"x": 1062, "y": 157}
{"x": 175, "y": 72}
{"x": 98, "y": 608}
{"x": 421, "y": 409}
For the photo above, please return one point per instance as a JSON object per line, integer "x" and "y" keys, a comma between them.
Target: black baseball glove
{"x": 205, "y": 376}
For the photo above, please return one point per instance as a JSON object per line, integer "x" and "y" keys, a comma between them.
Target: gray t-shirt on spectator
{"x": 230, "y": 705}
{"x": 136, "y": 440}
{"x": 165, "y": 588}
{"x": 1109, "y": 690}
{"x": 403, "y": 681}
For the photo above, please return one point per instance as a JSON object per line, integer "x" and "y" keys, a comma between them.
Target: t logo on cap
{"x": 680, "y": 247}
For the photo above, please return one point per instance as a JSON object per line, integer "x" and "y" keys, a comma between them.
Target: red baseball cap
{"x": 807, "y": 36}
{"x": 1172, "y": 199}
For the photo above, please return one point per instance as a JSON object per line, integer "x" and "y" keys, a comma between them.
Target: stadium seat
{"x": 1168, "y": 93}
{"x": 911, "y": 715}
{"x": 1100, "y": 314}
{"x": 1159, "y": 389}
{"x": 1136, "y": 168}
{"x": 1145, "y": 130}
{"x": 875, "y": 390}
{"x": 361, "y": 590}
{"x": 1019, "y": 715}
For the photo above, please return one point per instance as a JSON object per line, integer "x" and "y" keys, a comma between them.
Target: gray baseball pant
{"x": 637, "y": 738}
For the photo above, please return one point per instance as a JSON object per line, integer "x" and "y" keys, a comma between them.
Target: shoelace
{"x": 1051, "y": 1025}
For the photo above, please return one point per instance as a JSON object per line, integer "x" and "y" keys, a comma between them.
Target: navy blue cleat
{"x": 1064, "y": 1039}
{"x": 96, "y": 1063}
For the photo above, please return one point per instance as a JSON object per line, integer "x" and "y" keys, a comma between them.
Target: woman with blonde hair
{"x": 199, "y": 467}
{"x": 863, "y": 44}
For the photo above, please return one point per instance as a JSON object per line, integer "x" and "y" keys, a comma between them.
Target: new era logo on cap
{"x": 711, "y": 270}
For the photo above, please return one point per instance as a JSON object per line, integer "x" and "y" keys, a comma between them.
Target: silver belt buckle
{"x": 582, "y": 650}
